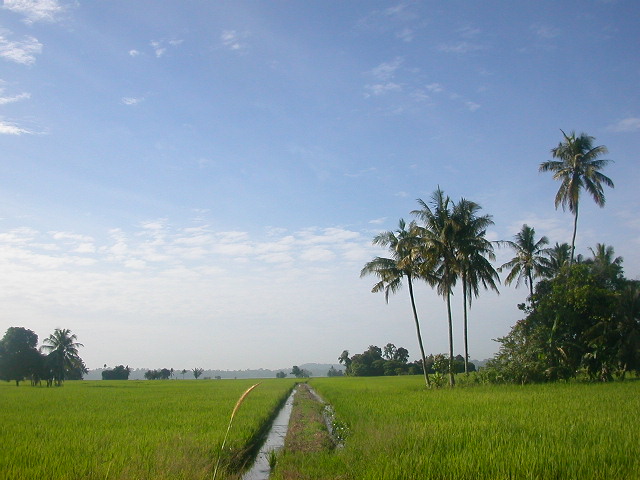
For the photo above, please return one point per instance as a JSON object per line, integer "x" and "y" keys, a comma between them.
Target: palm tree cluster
{"x": 448, "y": 245}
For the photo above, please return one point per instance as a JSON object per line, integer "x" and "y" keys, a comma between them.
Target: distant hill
{"x": 316, "y": 369}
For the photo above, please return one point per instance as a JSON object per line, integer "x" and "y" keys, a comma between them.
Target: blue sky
{"x": 197, "y": 183}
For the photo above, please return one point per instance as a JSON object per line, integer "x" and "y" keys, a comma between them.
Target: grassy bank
{"x": 129, "y": 429}
{"x": 399, "y": 430}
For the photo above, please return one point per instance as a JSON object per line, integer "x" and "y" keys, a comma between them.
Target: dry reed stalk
{"x": 233, "y": 414}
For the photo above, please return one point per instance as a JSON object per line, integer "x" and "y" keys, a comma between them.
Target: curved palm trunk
{"x": 466, "y": 341}
{"x": 573, "y": 239}
{"x": 452, "y": 380}
{"x": 415, "y": 318}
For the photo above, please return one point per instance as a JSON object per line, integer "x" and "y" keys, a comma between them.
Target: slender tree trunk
{"x": 573, "y": 239}
{"x": 466, "y": 342}
{"x": 415, "y": 318}
{"x": 530, "y": 277}
{"x": 452, "y": 380}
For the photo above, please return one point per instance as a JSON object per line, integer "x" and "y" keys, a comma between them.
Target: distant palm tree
{"x": 402, "y": 245}
{"x": 531, "y": 260}
{"x": 559, "y": 256}
{"x": 577, "y": 167}
{"x": 63, "y": 350}
{"x": 605, "y": 265}
{"x": 439, "y": 263}
{"x": 473, "y": 254}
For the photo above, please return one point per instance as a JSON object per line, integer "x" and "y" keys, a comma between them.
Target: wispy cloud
{"x": 158, "y": 245}
{"x": 544, "y": 32}
{"x": 439, "y": 89}
{"x": 382, "y": 88}
{"x": 160, "y": 47}
{"x": 8, "y": 128}
{"x": 401, "y": 19}
{"x": 131, "y": 100}
{"x": 35, "y": 10}
{"x": 15, "y": 98}
{"x": 134, "y": 53}
{"x": 387, "y": 70}
{"x": 19, "y": 51}
{"x": 630, "y": 124}
{"x": 383, "y": 74}
{"x": 234, "y": 40}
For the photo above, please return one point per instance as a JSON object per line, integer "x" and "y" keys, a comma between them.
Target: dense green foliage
{"x": 586, "y": 319}
{"x": 97, "y": 430}
{"x": 20, "y": 358}
{"x": 400, "y": 430}
{"x": 120, "y": 372}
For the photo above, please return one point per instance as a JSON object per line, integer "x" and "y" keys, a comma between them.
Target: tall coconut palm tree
{"x": 474, "y": 253}
{"x": 402, "y": 245}
{"x": 438, "y": 253}
{"x": 531, "y": 260}
{"x": 577, "y": 167}
{"x": 63, "y": 350}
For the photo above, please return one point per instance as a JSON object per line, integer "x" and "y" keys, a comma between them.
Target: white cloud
{"x": 16, "y": 98}
{"x": 387, "y": 70}
{"x": 23, "y": 51}
{"x": 378, "y": 221}
{"x": 134, "y": 53}
{"x": 35, "y": 10}
{"x": 131, "y": 100}
{"x": 158, "y": 48}
{"x": 382, "y": 88}
{"x": 7, "y": 128}
{"x": 631, "y": 124}
{"x": 233, "y": 40}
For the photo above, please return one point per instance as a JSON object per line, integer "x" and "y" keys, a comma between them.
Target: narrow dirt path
{"x": 307, "y": 429}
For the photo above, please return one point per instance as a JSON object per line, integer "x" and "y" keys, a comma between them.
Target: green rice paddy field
{"x": 400, "y": 431}
{"x": 129, "y": 429}
{"x": 397, "y": 430}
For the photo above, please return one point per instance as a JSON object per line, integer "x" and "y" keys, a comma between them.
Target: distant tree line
{"x": 118, "y": 373}
{"x": 54, "y": 362}
{"x": 390, "y": 361}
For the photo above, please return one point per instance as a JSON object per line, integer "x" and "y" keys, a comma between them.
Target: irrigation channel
{"x": 261, "y": 468}
{"x": 274, "y": 442}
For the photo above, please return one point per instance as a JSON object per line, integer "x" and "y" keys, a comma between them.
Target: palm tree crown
{"x": 530, "y": 261}
{"x": 63, "y": 350}
{"x": 577, "y": 167}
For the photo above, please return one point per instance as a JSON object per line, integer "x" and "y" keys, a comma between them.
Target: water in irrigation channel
{"x": 274, "y": 442}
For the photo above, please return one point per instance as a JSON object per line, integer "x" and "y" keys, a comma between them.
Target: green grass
{"x": 399, "y": 430}
{"x": 130, "y": 429}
